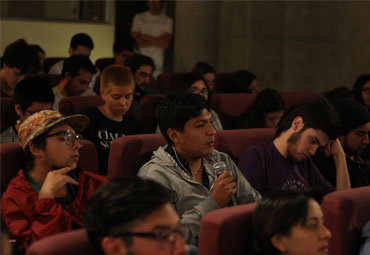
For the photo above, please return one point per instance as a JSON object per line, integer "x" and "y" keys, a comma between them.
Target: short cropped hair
{"x": 76, "y": 62}
{"x": 116, "y": 75}
{"x": 119, "y": 205}
{"x": 20, "y": 55}
{"x": 318, "y": 114}
{"x": 359, "y": 84}
{"x": 81, "y": 39}
{"x": 126, "y": 44}
{"x": 203, "y": 68}
{"x": 277, "y": 213}
{"x": 30, "y": 90}
{"x": 136, "y": 61}
{"x": 177, "y": 109}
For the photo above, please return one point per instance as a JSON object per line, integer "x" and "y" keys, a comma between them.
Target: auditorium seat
{"x": 75, "y": 104}
{"x": 49, "y": 62}
{"x": 52, "y": 79}
{"x": 223, "y": 82}
{"x": 102, "y": 63}
{"x": 227, "y": 231}
{"x": 68, "y": 243}
{"x": 346, "y": 212}
{"x": 234, "y": 142}
{"x": 167, "y": 81}
{"x": 11, "y": 160}
{"x": 8, "y": 114}
{"x": 147, "y": 107}
{"x": 293, "y": 98}
{"x": 128, "y": 153}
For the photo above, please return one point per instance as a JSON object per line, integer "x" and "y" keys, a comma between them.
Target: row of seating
{"x": 229, "y": 230}
{"x": 129, "y": 153}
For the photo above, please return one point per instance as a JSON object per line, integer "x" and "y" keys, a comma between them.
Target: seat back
{"x": 49, "y": 62}
{"x": 75, "y": 104}
{"x": 166, "y": 82}
{"x": 293, "y": 98}
{"x": 147, "y": 107}
{"x": 234, "y": 142}
{"x": 227, "y": 231}
{"x": 11, "y": 160}
{"x": 223, "y": 82}
{"x": 231, "y": 106}
{"x": 51, "y": 79}
{"x": 102, "y": 63}
{"x": 346, "y": 212}
{"x": 129, "y": 153}
{"x": 69, "y": 243}
{"x": 8, "y": 114}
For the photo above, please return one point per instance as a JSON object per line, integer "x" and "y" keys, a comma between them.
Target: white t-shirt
{"x": 155, "y": 26}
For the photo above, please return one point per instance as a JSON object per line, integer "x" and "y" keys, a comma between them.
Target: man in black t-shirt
{"x": 111, "y": 120}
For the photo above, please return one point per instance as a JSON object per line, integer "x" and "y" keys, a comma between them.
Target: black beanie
{"x": 352, "y": 114}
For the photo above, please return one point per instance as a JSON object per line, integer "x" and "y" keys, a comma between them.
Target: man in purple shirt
{"x": 286, "y": 162}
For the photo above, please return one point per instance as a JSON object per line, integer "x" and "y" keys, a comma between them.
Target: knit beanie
{"x": 352, "y": 114}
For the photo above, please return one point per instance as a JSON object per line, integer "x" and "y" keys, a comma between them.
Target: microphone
{"x": 219, "y": 168}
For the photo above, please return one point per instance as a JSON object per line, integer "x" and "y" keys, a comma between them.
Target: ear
{"x": 70, "y": 51}
{"x": 297, "y": 123}
{"x": 279, "y": 242}
{"x": 173, "y": 134}
{"x": 68, "y": 76}
{"x": 34, "y": 150}
{"x": 112, "y": 246}
{"x": 18, "y": 109}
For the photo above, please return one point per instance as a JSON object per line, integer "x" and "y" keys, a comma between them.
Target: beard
{"x": 292, "y": 145}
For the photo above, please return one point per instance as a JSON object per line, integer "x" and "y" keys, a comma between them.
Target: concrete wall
{"x": 288, "y": 45}
{"x": 54, "y": 37}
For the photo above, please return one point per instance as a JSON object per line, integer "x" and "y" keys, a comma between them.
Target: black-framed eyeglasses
{"x": 144, "y": 74}
{"x": 69, "y": 137}
{"x": 366, "y": 89}
{"x": 166, "y": 236}
{"x": 199, "y": 91}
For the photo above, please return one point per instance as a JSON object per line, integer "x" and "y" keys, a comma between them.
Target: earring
{"x": 18, "y": 122}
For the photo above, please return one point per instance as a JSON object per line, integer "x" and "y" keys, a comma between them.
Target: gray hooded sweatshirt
{"x": 191, "y": 199}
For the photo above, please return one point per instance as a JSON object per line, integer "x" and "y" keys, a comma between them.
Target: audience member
{"x": 41, "y": 55}
{"x": 111, "y": 120}
{"x": 200, "y": 178}
{"x": 285, "y": 162}
{"x": 142, "y": 68}
{"x": 290, "y": 222}
{"x": 338, "y": 94}
{"x": 18, "y": 60}
{"x": 81, "y": 44}
{"x": 122, "y": 50}
{"x": 77, "y": 74}
{"x": 244, "y": 81}
{"x": 354, "y": 138}
{"x": 195, "y": 83}
{"x": 361, "y": 90}
{"x": 208, "y": 73}
{"x": 137, "y": 218}
{"x": 31, "y": 95}
{"x": 152, "y": 31}
{"x": 265, "y": 112}
{"x": 48, "y": 196}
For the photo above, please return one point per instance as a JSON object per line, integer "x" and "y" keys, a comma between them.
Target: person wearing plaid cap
{"x": 48, "y": 195}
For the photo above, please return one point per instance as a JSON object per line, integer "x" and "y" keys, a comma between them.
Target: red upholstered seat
{"x": 298, "y": 97}
{"x": 11, "y": 160}
{"x": 346, "y": 212}
{"x": 234, "y": 142}
{"x": 128, "y": 153}
{"x": 69, "y": 243}
{"x": 102, "y": 63}
{"x": 166, "y": 82}
{"x": 147, "y": 107}
{"x": 8, "y": 114}
{"x": 73, "y": 105}
{"x": 227, "y": 231}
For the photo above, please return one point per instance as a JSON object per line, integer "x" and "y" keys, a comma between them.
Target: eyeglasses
{"x": 165, "y": 235}
{"x": 144, "y": 74}
{"x": 199, "y": 91}
{"x": 69, "y": 137}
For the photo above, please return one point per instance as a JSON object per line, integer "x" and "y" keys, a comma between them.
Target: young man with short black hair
{"x": 187, "y": 165}
{"x": 137, "y": 218}
{"x": 286, "y": 161}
